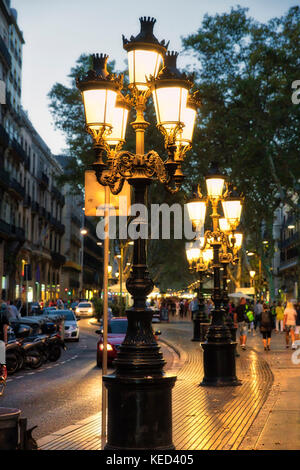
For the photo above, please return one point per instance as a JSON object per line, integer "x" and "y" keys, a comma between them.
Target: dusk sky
{"x": 56, "y": 32}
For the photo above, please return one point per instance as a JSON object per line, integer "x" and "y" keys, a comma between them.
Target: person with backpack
{"x": 241, "y": 322}
{"x": 250, "y": 317}
{"x": 266, "y": 326}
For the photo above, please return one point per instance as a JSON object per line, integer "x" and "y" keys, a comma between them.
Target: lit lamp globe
{"x": 224, "y": 225}
{"x": 197, "y": 210}
{"x": 232, "y": 207}
{"x": 170, "y": 93}
{"x": 145, "y": 54}
{"x": 236, "y": 240}
{"x": 119, "y": 122}
{"x": 185, "y": 135}
{"x": 192, "y": 253}
{"x": 215, "y": 183}
{"x": 99, "y": 91}
{"x": 208, "y": 255}
{"x": 252, "y": 274}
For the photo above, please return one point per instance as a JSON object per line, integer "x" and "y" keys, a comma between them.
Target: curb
{"x": 179, "y": 351}
{"x": 67, "y": 430}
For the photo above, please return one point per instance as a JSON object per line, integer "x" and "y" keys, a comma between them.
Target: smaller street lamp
{"x": 252, "y": 276}
{"x": 199, "y": 260}
{"x": 219, "y": 348}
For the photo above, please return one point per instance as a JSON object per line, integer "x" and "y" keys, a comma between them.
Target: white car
{"x": 71, "y": 327}
{"x": 85, "y": 309}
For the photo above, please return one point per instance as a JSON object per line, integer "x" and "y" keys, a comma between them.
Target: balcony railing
{"x": 27, "y": 201}
{"x": 75, "y": 240}
{"x": 44, "y": 180}
{"x": 4, "y": 178}
{"x": 35, "y": 206}
{"x": 16, "y": 188}
{"x": 42, "y": 212}
{"x": 18, "y": 150}
{"x": 4, "y": 227}
{"x": 4, "y": 137}
{"x": 58, "y": 195}
{"x": 5, "y": 52}
{"x": 58, "y": 259}
{"x": 289, "y": 241}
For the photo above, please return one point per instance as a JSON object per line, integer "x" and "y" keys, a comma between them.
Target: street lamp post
{"x": 227, "y": 257}
{"x": 198, "y": 262}
{"x": 139, "y": 392}
{"x": 219, "y": 349}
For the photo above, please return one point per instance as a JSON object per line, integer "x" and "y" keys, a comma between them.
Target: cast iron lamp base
{"x": 139, "y": 393}
{"x": 219, "y": 358}
{"x": 139, "y": 412}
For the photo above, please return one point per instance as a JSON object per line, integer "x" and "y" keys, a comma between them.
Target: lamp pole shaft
{"x": 218, "y": 349}
{"x": 200, "y": 320}
{"x": 139, "y": 394}
{"x": 105, "y": 315}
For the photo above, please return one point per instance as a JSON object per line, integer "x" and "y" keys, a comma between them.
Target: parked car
{"x": 116, "y": 333}
{"x": 85, "y": 309}
{"x": 71, "y": 327}
{"x": 155, "y": 316}
{"x": 73, "y": 306}
{"x": 48, "y": 309}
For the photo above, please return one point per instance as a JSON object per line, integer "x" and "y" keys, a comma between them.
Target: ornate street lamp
{"x": 199, "y": 260}
{"x": 139, "y": 393}
{"x": 219, "y": 349}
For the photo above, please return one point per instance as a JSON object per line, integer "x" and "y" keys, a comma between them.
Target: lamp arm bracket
{"x": 170, "y": 136}
{"x": 226, "y": 193}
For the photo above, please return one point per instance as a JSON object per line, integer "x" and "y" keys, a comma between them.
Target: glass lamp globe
{"x": 145, "y": 54}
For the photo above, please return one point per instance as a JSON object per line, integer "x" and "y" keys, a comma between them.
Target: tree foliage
{"x": 247, "y": 121}
{"x": 245, "y": 70}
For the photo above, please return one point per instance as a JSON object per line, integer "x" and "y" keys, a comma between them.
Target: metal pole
{"x": 105, "y": 314}
{"x": 27, "y": 296}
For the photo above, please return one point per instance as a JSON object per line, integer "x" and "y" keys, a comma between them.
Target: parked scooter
{"x": 32, "y": 346}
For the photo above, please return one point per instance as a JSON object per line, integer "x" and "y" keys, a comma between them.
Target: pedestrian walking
{"x": 186, "y": 307}
{"x": 12, "y": 312}
{"x": 279, "y": 317}
{"x": 297, "y": 329}
{"x": 4, "y": 324}
{"x": 241, "y": 321}
{"x": 289, "y": 323}
{"x": 177, "y": 308}
{"x": 257, "y": 314}
{"x": 273, "y": 312}
{"x": 181, "y": 305}
{"x": 194, "y": 307}
{"x": 266, "y": 326}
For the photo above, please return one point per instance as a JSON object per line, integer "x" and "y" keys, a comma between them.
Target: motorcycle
{"x": 14, "y": 356}
{"x": 35, "y": 342}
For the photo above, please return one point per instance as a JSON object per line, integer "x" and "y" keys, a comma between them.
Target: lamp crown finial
{"x": 171, "y": 59}
{"x": 146, "y": 35}
{"x": 100, "y": 64}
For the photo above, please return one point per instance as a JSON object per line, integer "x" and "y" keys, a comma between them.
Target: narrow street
{"x": 59, "y": 394}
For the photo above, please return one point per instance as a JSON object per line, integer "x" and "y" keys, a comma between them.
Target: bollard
{"x": 9, "y": 428}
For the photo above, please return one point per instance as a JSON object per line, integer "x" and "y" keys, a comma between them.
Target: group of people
{"x": 268, "y": 318}
{"x": 182, "y": 308}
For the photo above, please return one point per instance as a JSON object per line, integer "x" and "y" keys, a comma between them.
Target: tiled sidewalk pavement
{"x": 277, "y": 426}
{"x": 203, "y": 418}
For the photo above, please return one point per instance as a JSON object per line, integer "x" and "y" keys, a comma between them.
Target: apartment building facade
{"x": 43, "y": 254}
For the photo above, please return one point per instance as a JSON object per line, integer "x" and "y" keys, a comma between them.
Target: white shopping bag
{"x": 2, "y": 352}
